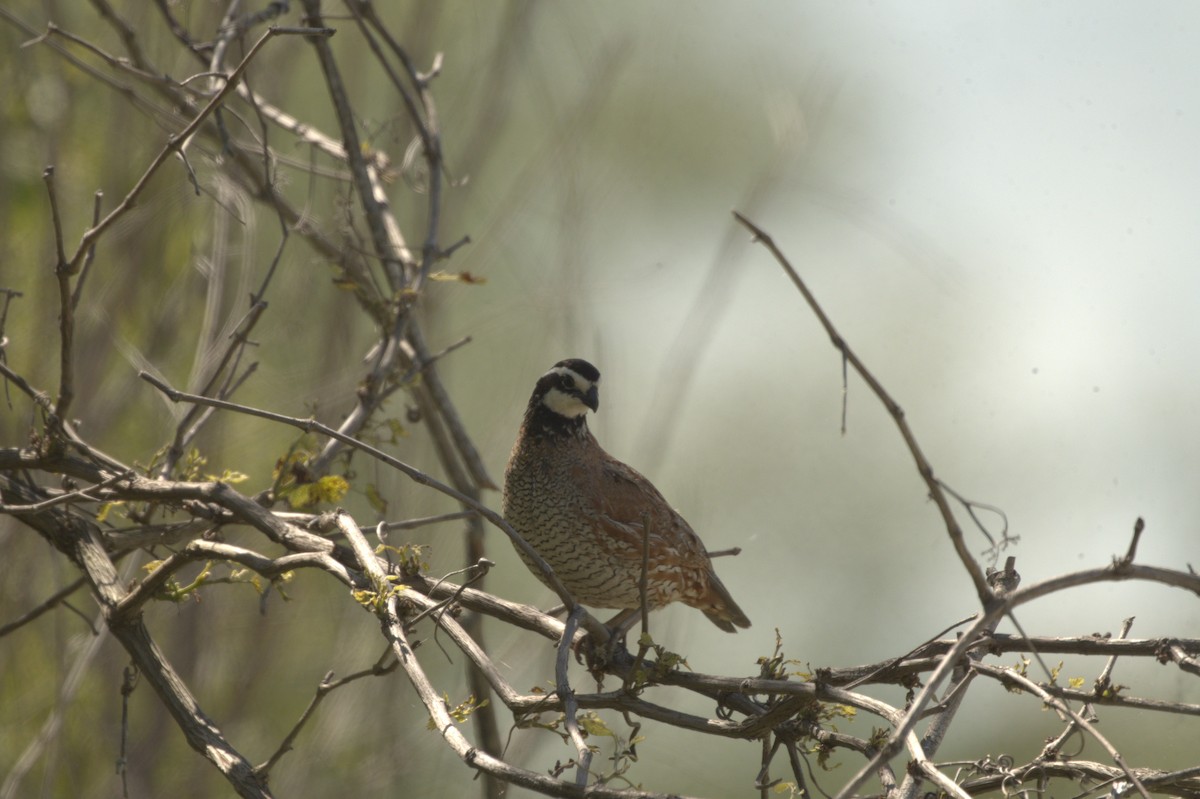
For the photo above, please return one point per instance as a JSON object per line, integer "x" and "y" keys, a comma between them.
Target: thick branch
{"x": 79, "y": 539}
{"x": 394, "y": 628}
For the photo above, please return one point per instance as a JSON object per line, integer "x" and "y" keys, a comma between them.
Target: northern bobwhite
{"x": 582, "y": 510}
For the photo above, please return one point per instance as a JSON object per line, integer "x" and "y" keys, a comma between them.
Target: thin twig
{"x": 85, "y": 270}
{"x": 189, "y": 426}
{"x": 51, "y": 602}
{"x": 1138, "y": 527}
{"x": 1010, "y": 677}
{"x": 995, "y": 609}
{"x": 327, "y": 686}
{"x": 970, "y": 505}
{"x": 68, "y": 497}
{"x": 66, "y": 309}
{"x": 445, "y": 407}
{"x": 426, "y": 123}
{"x": 173, "y": 142}
{"x": 128, "y": 684}
{"x": 412, "y": 524}
{"x": 479, "y": 570}
{"x": 583, "y": 754}
{"x": 797, "y": 767}
{"x": 894, "y": 409}
{"x": 383, "y": 235}
{"x": 871, "y": 675}
{"x": 1104, "y": 681}
{"x": 762, "y": 780}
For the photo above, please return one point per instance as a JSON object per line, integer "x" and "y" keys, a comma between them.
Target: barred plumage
{"x": 583, "y": 510}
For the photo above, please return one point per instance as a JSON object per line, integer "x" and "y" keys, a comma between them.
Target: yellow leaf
{"x": 105, "y": 508}
{"x": 331, "y": 488}
{"x": 229, "y": 477}
{"x": 302, "y": 496}
{"x": 592, "y": 724}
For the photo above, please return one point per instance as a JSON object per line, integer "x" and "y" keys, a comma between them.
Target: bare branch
{"x": 66, "y": 309}
{"x": 384, "y": 236}
{"x": 1138, "y": 527}
{"x": 173, "y": 143}
{"x": 897, "y": 413}
{"x": 583, "y": 754}
{"x": 53, "y": 601}
{"x": 436, "y": 706}
{"x": 327, "y": 686}
{"x": 311, "y": 425}
{"x": 97, "y": 208}
{"x": 78, "y": 539}
{"x": 1010, "y": 677}
{"x": 1104, "y": 681}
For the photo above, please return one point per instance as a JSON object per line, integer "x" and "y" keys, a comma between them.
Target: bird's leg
{"x": 618, "y": 626}
{"x": 595, "y": 655}
{"x": 621, "y": 623}
{"x": 557, "y": 610}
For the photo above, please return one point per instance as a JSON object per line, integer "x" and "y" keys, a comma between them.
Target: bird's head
{"x": 569, "y": 389}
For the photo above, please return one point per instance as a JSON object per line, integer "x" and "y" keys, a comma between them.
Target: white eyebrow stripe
{"x": 581, "y": 382}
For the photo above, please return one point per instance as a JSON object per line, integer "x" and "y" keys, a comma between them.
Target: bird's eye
{"x": 568, "y": 381}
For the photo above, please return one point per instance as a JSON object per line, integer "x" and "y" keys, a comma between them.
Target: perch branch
{"x": 583, "y": 754}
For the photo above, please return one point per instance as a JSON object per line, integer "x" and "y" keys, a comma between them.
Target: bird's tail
{"x": 720, "y": 608}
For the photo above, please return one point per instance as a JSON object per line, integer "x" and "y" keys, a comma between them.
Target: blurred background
{"x": 995, "y": 204}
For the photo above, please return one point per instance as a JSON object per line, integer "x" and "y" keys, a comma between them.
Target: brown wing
{"x": 621, "y": 502}
{"x": 627, "y": 500}
{"x": 679, "y": 564}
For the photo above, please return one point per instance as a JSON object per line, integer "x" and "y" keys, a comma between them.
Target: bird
{"x": 584, "y": 512}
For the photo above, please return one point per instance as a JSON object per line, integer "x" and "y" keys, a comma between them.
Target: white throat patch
{"x": 564, "y": 404}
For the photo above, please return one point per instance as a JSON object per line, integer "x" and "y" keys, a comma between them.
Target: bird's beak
{"x": 592, "y": 398}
